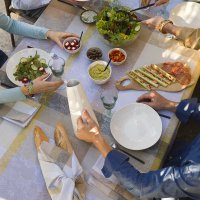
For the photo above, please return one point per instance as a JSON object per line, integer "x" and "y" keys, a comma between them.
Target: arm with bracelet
{"x": 189, "y": 36}
{"x": 36, "y": 87}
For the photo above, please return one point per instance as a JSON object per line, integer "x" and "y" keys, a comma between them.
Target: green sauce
{"x": 97, "y": 72}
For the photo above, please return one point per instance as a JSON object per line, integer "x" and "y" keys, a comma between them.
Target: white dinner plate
{"x": 136, "y": 126}
{"x": 15, "y": 59}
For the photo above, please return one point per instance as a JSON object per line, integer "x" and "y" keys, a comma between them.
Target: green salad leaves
{"x": 30, "y": 68}
{"x": 117, "y": 26}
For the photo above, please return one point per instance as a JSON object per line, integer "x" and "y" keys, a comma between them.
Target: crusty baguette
{"x": 157, "y": 74}
{"x": 169, "y": 76}
{"x": 139, "y": 80}
{"x": 39, "y": 137}
{"x": 148, "y": 80}
{"x": 151, "y": 76}
{"x": 61, "y": 138}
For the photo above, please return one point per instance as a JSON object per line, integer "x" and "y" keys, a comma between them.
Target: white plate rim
{"x": 130, "y": 105}
{"x": 10, "y": 66}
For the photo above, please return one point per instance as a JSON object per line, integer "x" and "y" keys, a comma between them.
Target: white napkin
{"x": 60, "y": 171}
{"x": 19, "y": 113}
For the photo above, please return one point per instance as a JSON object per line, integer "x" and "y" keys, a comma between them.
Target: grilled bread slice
{"x": 143, "y": 83}
{"x": 153, "y": 77}
{"x": 169, "y": 76}
{"x": 148, "y": 80}
{"x": 157, "y": 74}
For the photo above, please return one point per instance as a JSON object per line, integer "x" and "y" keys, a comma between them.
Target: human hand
{"x": 40, "y": 86}
{"x": 160, "y": 2}
{"x": 89, "y": 131}
{"x": 154, "y": 22}
{"x": 57, "y": 37}
{"x": 156, "y": 101}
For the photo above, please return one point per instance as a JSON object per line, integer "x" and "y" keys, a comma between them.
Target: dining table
{"x": 20, "y": 174}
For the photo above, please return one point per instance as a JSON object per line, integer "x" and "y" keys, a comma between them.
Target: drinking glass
{"x": 57, "y": 65}
{"x": 109, "y": 98}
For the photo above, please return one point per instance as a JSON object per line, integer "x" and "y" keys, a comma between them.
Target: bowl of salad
{"x": 118, "y": 28}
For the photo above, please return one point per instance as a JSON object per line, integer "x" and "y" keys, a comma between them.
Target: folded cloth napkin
{"x": 19, "y": 113}
{"x": 62, "y": 172}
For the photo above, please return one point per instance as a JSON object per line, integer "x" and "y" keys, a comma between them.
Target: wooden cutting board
{"x": 127, "y": 83}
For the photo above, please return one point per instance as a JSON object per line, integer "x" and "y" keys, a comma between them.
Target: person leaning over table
{"x": 189, "y": 36}
{"x": 24, "y": 29}
{"x": 179, "y": 178}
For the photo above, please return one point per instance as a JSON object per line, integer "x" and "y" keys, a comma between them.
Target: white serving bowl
{"x": 69, "y": 39}
{"x": 121, "y": 50}
{"x": 99, "y": 82}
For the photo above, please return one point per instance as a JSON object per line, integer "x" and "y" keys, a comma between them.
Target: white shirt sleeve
{"x": 29, "y": 4}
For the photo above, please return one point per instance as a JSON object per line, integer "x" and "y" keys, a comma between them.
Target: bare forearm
{"x": 103, "y": 147}
{"x": 172, "y": 29}
{"x": 184, "y": 34}
{"x": 171, "y": 106}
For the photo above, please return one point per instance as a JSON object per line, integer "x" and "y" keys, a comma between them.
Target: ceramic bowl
{"x": 122, "y": 51}
{"x": 71, "y": 51}
{"x": 99, "y": 82}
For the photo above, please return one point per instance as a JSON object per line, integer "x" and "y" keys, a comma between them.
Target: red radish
{"x": 25, "y": 80}
{"x": 72, "y": 44}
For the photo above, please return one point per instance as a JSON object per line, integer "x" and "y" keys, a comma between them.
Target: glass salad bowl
{"x": 117, "y": 26}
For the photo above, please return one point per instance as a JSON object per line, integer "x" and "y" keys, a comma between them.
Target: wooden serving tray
{"x": 122, "y": 84}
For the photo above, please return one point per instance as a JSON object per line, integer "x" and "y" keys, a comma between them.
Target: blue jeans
{"x": 3, "y": 58}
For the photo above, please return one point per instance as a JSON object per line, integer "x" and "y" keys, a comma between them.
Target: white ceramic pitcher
{"x": 78, "y": 102}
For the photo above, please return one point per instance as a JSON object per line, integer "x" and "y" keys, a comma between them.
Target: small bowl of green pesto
{"x": 97, "y": 72}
